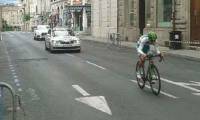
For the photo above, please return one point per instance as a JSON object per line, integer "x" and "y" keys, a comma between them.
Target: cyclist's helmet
{"x": 152, "y": 36}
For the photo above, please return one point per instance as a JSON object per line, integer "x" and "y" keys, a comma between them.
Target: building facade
{"x": 77, "y": 15}
{"x": 138, "y": 17}
{"x": 11, "y": 16}
{"x": 104, "y": 17}
{"x": 131, "y": 18}
{"x": 57, "y": 11}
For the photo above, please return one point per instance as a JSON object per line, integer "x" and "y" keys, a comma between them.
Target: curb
{"x": 184, "y": 57}
{"x": 169, "y": 54}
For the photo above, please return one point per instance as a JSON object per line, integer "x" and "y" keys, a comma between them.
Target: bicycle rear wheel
{"x": 140, "y": 75}
{"x": 154, "y": 79}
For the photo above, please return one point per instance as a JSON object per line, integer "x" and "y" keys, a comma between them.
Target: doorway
{"x": 195, "y": 21}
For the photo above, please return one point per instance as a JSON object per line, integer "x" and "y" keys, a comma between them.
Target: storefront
{"x": 77, "y": 17}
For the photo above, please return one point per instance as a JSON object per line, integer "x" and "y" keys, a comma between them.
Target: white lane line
{"x": 13, "y": 70}
{"x": 11, "y": 65}
{"x": 180, "y": 84}
{"x": 80, "y": 90}
{"x": 18, "y": 85}
{"x": 16, "y": 80}
{"x": 96, "y": 65}
{"x": 197, "y": 94}
{"x": 14, "y": 73}
{"x": 164, "y": 93}
{"x": 15, "y": 76}
{"x": 70, "y": 55}
{"x": 19, "y": 89}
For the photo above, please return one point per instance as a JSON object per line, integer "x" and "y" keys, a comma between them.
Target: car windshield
{"x": 61, "y": 33}
{"x": 43, "y": 27}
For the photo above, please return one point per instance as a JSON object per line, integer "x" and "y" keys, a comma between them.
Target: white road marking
{"x": 197, "y": 94}
{"x": 16, "y": 80}
{"x": 14, "y": 73}
{"x": 11, "y": 65}
{"x": 15, "y": 76}
{"x": 181, "y": 84}
{"x": 97, "y": 102}
{"x": 20, "y": 90}
{"x": 70, "y": 55}
{"x": 34, "y": 96}
{"x": 80, "y": 90}
{"x": 164, "y": 93}
{"x": 13, "y": 70}
{"x": 96, "y": 65}
{"x": 17, "y": 84}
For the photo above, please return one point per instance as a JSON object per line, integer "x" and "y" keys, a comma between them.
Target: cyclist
{"x": 144, "y": 44}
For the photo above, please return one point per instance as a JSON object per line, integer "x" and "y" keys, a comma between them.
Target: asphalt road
{"x": 96, "y": 84}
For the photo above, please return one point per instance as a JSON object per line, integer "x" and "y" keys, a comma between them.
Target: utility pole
{"x": 174, "y": 15}
{"x": 1, "y": 21}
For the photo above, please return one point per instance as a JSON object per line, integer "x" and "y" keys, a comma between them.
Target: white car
{"x": 40, "y": 32}
{"x": 62, "y": 39}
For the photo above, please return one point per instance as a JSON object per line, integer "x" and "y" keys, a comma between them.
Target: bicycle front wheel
{"x": 154, "y": 79}
{"x": 140, "y": 75}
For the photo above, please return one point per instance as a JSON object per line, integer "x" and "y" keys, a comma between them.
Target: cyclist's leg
{"x": 142, "y": 60}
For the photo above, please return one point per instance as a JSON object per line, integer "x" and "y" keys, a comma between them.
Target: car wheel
{"x": 46, "y": 47}
{"x": 51, "y": 49}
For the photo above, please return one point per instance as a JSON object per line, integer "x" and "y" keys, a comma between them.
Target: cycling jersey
{"x": 144, "y": 46}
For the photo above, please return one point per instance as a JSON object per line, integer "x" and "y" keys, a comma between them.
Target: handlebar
{"x": 150, "y": 56}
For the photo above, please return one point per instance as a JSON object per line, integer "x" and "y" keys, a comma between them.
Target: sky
{"x": 7, "y": 1}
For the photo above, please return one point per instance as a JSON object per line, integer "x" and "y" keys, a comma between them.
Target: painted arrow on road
{"x": 97, "y": 102}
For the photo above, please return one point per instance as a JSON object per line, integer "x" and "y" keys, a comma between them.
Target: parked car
{"x": 40, "y": 32}
{"x": 62, "y": 39}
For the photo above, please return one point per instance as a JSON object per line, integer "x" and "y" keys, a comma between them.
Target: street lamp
{"x": 24, "y": 12}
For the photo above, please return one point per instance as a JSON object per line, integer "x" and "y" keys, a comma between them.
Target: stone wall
{"x": 104, "y": 17}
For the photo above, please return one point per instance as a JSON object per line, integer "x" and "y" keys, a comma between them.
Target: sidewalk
{"x": 188, "y": 54}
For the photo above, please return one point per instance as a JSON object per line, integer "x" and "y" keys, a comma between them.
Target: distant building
{"x": 11, "y": 15}
{"x": 75, "y": 14}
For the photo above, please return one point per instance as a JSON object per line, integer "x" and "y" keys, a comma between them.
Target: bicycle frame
{"x": 150, "y": 63}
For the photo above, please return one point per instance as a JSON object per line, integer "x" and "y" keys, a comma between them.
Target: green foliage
{"x": 26, "y": 17}
{"x": 6, "y": 27}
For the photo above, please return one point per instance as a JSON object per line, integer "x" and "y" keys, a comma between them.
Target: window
{"x": 164, "y": 8}
{"x": 131, "y": 12}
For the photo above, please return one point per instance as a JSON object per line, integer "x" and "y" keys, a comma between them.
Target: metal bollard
{"x": 9, "y": 87}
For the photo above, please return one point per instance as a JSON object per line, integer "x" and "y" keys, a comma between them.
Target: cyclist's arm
{"x": 157, "y": 49}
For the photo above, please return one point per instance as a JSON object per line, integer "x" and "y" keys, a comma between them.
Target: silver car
{"x": 59, "y": 39}
{"x": 40, "y": 32}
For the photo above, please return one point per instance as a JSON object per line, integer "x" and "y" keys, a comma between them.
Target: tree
{"x": 26, "y": 17}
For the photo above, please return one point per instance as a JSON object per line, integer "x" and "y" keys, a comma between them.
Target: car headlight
{"x": 77, "y": 41}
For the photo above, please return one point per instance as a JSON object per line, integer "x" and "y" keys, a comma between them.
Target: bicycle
{"x": 152, "y": 75}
